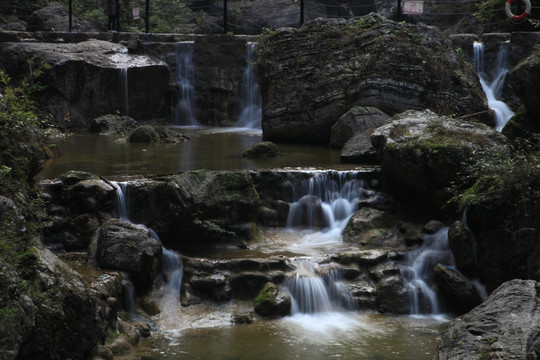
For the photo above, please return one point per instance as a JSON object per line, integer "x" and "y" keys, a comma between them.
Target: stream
{"x": 205, "y": 330}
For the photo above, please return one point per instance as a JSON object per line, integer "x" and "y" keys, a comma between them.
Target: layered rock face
{"x": 312, "y": 75}
{"x": 525, "y": 80}
{"x": 92, "y": 78}
{"x": 505, "y": 326}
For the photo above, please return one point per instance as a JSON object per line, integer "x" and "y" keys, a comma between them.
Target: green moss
{"x": 266, "y": 296}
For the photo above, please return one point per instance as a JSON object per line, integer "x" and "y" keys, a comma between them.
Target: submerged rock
{"x": 505, "y": 326}
{"x": 144, "y": 134}
{"x": 262, "y": 149}
{"x": 112, "y": 124}
{"x": 333, "y": 64}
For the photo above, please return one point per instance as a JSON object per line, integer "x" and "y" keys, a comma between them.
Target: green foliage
{"x": 22, "y": 143}
{"x": 510, "y": 180}
{"x": 166, "y": 16}
{"x": 21, "y": 126}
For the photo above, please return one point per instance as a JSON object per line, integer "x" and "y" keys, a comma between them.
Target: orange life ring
{"x": 523, "y": 16}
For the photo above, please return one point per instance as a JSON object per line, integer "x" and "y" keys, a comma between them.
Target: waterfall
{"x": 312, "y": 294}
{"x": 251, "y": 97}
{"x": 121, "y": 203}
{"x": 185, "y": 79}
{"x": 493, "y": 89}
{"x": 326, "y": 200}
{"x": 171, "y": 262}
{"x": 417, "y": 271}
{"x": 124, "y": 87}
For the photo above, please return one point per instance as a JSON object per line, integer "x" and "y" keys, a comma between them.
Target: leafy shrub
{"x": 508, "y": 181}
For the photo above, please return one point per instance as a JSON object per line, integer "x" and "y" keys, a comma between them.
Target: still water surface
{"x": 345, "y": 336}
{"x": 208, "y": 148}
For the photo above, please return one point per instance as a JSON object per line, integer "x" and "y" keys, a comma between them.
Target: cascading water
{"x": 326, "y": 200}
{"x": 185, "y": 78}
{"x": 124, "y": 87}
{"x": 493, "y": 89}
{"x": 311, "y": 293}
{"x": 417, "y": 271}
{"x": 251, "y": 97}
{"x": 171, "y": 263}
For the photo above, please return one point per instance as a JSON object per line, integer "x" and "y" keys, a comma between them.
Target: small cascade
{"x": 124, "y": 87}
{"x": 417, "y": 270}
{"x": 185, "y": 78}
{"x": 493, "y": 89}
{"x": 128, "y": 295}
{"x": 171, "y": 262}
{"x": 121, "y": 203}
{"x": 312, "y": 294}
{"x": 326, "y": 200}
{"x": 251, "y": 97}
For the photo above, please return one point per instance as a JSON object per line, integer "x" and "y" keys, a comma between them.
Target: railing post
{"x": 147, "y": 17}
{"x": 225, "y": 22}
{"x": 301, "y": 12}
{"x": 398, "y": 16}
{"x": 70, "y": 16}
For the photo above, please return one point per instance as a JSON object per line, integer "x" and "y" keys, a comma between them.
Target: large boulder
{"x": 332, "y": 65}
{"x": 197, "y": 207}
{"x": 505, "y": 326}
{"x": 112, "y": 124}
{"x": 78, "y": 202}
{"x": 58, "y": 306}
{"x": 423, "y": 151}
{"x": 55, "y": 17}
{"x": 123, "y": 246}
{"x": 462, "y": 245}
{"x": 91, "y": 78}
{"x": 525, "y": 80}
{"x": 368, "y": 226}
{"x": 272, "y": 300}
{"x": 356, "y": 121}
{"x": 359, "y": 150}
{"x": 460, "y": 293}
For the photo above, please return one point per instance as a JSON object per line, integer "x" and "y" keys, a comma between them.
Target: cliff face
{"x": 313, "y": 75}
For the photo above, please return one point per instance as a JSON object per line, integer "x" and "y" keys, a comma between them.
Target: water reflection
{"x": 208, "y": 148}
{"x": 355, "y": 336}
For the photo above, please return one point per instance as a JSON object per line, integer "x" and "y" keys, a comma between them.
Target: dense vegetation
{"x": 23, "y": 141}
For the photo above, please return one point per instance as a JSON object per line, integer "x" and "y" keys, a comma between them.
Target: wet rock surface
{"x": 333, "y": 65}
{"x": 505, "y": 326}
{"x": 77, "y": 311}
{"x": 460, "y": 294}
{"x": 85, "y": 79}
{"x": 123, "y": 246}
{"x": 422, "y": 151}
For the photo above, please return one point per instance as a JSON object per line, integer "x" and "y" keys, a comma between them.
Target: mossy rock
{"x": 74, "y": 176}
{"x": 367, "y": 226}
{"x": 272, "y": 301}
{"x": 262, "y": 149}
{"x": 144, "y": 134}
